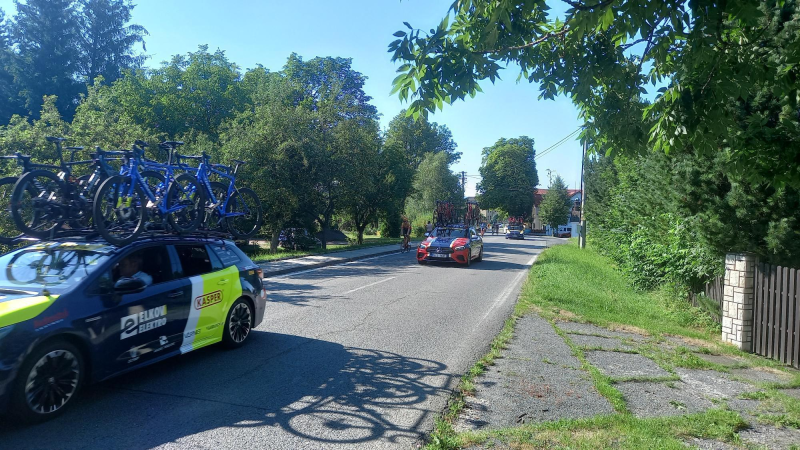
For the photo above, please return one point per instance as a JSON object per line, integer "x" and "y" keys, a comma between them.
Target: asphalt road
{"x": 363, "y": 354}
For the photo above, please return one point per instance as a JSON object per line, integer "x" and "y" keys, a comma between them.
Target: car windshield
{"x": 57, "y": 268}
{"x": 450, "y": 232}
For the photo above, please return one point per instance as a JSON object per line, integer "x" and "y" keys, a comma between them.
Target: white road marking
{"x": 506, "y": 294}
{"x": 301, "y": 272}
{"x": 368, "y": 285}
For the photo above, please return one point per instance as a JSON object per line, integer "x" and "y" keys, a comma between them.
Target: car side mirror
{"x": 427, "y": 234}
{"x": 129, "y": 286}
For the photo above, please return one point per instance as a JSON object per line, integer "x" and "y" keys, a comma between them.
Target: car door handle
{"x": 221, "y": 282}
{"x": 174, "y": 294}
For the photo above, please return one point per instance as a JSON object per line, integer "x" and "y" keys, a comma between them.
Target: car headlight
{"x": 461, "y": 247}
{"x": 422, "y": 246}
{"x": 5, "y": 330}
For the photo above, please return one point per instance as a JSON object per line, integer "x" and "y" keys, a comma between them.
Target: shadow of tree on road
{"x": 279, "y": 388}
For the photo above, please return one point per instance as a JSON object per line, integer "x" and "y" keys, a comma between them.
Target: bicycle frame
{"x": 202, "y": 176}
{"x": 136, "y": 178}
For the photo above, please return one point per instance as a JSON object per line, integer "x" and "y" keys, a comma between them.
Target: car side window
{"x": 194, "y": 260}
{"x": 150, "y": 264}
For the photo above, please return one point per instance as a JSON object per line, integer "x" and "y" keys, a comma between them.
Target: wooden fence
{"x": 713, "y": 292}
{"x": 776, "y": 313}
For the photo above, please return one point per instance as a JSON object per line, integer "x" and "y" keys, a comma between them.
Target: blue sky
{"x": 266, "y": 31}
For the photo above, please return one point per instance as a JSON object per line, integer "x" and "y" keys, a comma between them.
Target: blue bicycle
{"x": 124, "y": 202}
{"x": 237, "y": 210}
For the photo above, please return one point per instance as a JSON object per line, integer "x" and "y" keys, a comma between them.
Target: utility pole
{"x": 464, "y": 180}
{"x": 582, "y": 237}
{"x": 550, "y": 176}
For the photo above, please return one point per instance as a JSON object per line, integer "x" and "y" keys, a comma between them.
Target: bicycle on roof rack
{"x": 123, "y": 202}
{"x": 237, "y": 210}
{"x": 42, "y": 201}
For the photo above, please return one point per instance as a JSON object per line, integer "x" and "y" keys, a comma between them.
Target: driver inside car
{"x": 130, "y": 267}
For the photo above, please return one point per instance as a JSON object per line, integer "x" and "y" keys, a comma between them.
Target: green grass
{"x": 262, "y": 254}
{"x": 586, "y": 284}
{"x": 615, "y": 431}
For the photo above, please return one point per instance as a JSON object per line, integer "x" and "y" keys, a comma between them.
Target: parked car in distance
{"x": 564, "y": 231}
{"x": 515, "y": 232}
{"x": 78, "y": 312}
{"x": 298, "y": 239}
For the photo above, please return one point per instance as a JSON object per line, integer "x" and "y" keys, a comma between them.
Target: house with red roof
{"x": 574, "y": 219}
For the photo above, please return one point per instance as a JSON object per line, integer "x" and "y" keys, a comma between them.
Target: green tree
{"x": 273, "y": 137}
{"x": 508, "y": 176}
{"x": 190, "y": 94}
{"x": 417, "y": 138}
{"x": 333, "y": 93}
{"x": 712, "y": 61}
{"x": 26, "y": 137}
{"x": 46, "y": 34}
{"x": 107, "y": 39}
{"x": 555, "y": 207}
{"x": 433, "y": 181}
{"x": 10, "y": 102}
{"x": 101, "y": 120}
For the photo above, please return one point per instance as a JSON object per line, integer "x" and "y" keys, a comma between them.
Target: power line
{"x": 557, "y": 144}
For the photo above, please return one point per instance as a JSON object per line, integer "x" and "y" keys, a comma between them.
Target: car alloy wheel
{"x": 240, "y": 322}
{"x": 52, "y": 381}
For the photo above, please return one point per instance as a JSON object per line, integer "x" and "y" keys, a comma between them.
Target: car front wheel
{"x": 239, "y": 324}
{"x": 48, "y": 382}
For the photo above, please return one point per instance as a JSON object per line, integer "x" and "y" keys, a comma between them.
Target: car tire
{"x": 60, "y": 357}
{"x": 238, "y": 324}
{"x": 469, "y": 258}
{"x": 480, "y": 256}
{"x": 421, "y": 262}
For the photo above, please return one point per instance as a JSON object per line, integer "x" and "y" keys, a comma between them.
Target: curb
{"x": 327, "y": 263}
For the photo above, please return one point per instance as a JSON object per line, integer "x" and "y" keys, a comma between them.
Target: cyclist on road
{"x": 406, "y": 232}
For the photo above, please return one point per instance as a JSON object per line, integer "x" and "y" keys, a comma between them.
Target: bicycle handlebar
{"x": 139, "y": 143}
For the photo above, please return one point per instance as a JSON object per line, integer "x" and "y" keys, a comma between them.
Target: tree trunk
{"x": 360, "y": 237}
{"x": 273, "y": 243}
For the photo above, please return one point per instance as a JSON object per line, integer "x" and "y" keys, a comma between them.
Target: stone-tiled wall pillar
{"x": 738, "y": 299}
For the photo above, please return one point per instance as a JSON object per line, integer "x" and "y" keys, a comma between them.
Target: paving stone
{"x": 618, "y": 365}
{"x": 713, "y": 384}
{"x": 536, "y": 380}
{"x": 587, "y": 328}
{"x": 761, "y": 375}
{"x": 792, "y": 392}
{"x": 771, "y": 437}
{"x": 708, "y": 444}
{"x": 722, "y": 360}
{"x": 606, "y": 343}
{"x": 647, "y": 399}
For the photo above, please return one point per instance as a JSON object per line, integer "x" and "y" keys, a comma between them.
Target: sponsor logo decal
{"x": 191, "y": 334}
{"x": 207, "y": 300}
{"x": 49, "y": 321}
{"x": 143, "y": 321}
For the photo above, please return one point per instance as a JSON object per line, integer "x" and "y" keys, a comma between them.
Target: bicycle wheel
{"x": 243, "y": 213}
{"x": 155, "y": 181}
{"x": 8, "y": 229}
{"x": 36, "y": 204}
{"x": 214, "y": 219}
{"x": 119, "y": 217}
{"x": 187, "y": 194}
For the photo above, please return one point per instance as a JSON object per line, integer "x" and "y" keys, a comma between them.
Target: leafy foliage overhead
{"x": 726, "y": 71}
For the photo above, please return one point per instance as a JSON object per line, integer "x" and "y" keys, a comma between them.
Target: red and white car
{"x": 451, "y": 244}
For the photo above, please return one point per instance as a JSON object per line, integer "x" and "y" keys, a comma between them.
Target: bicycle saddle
{"x": 55, "y": 139}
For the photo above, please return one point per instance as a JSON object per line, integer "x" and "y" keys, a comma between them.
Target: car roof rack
{"x": 94, "y": 237}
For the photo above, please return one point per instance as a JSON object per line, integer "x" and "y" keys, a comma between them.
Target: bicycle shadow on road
{"x": 278, "y": 388}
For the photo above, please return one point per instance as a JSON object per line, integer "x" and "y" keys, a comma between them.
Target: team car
{"x": 515, "y": 232}
{"x": 78, "y": 312}
{"x": 452, "y": 244}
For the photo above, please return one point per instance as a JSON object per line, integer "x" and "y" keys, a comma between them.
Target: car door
{"x": 213, "y": 289}
{"x": 475, "y": 243}
{"x": 140, "y": 326}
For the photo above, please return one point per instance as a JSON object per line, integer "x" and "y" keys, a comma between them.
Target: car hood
{"x": 18, "y": 306}
{"x": 445, "y": 242}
